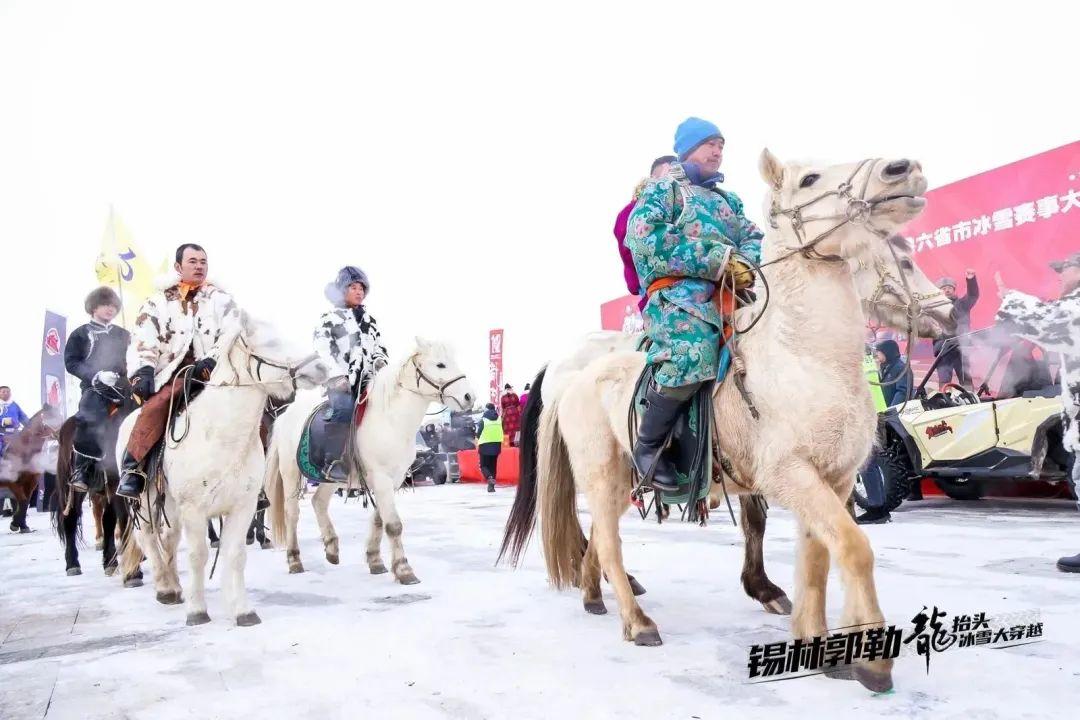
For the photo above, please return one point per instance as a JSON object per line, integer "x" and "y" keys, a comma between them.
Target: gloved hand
{"x": 6, "y": 422}
{"x": 204, "y": 368}
{"x": 744, "y": 277}
{"x": 142, "y": 384}
{"x": 338, "y": 384}
{"x": 105, "y": 377}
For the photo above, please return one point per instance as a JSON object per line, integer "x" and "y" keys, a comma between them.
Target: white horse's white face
{"x": 433, "y": 371}
{"x": 888, "y": 279}
{"x": 878, "y": 196}
{"x": 259, "y": 356}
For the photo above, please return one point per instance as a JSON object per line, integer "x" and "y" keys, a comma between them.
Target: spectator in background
{"x": 895, "y": 374}
{"x": 489, "y": 444}
{"x": 873, "y": 482}
{"x": 1027, "y": 370}
{"x": 953, "y": 360}
{"x": 511, "y": 414}
{"x": 659, "y": 169}
{"x": 12, "y": 417}
{"x": 525, "y": 396}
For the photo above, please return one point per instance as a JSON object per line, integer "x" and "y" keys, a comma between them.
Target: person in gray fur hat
{"x": 348, "y": 341}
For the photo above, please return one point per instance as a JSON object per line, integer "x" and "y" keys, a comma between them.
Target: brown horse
{"x": 25, "y": 458}
{"x": 67, "y": 512}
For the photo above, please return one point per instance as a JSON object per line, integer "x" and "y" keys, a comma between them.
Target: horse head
{"x": 897, "y": 294}
{"x": 837, "y": 212}
{"x": 257, "y": 355}
{"x": 433, "y": 372}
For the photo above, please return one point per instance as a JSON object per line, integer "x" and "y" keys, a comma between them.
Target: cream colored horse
{"x": 806, "y": 446}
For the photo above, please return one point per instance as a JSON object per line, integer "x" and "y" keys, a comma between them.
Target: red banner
{"x": 621, "y": 314}
{"x": 1014, "y": 220}
{"x": 495, "y": 364}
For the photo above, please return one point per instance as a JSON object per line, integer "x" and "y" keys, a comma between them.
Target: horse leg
{"x": 70, "y": 528}
{"x": 234, "y": 557}
{"x": 608, "y": 500}
{"x": 97, "y": 504}
{"x": 374, "y": 545}
{"x": 590, "y": 580}
{"x": 22, "y": 490}
{"x": 119, "y": 507}
{"x": 212, "y": 534}
{"x": 828, "y": 530}
{"x": 195, "y": 527}
{"x": 108, "y": 546}
{"x": 260, "y": 529}
{"x": 755, "y": 582}
{"x": 321, "y": 504}
{"x": 292, "y": 544}
{"x": 383, "y": 487}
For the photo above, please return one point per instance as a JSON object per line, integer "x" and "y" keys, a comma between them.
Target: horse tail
{"x": 274, "y": 485}
{"x": 522, "y": 520}
{"x": 63, "y": 477}
{"x": 559, "y": 526}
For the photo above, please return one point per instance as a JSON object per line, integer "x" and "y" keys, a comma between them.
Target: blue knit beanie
{"x": 692, "y": 132}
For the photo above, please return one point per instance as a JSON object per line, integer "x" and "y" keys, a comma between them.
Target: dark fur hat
{"x": 101, "y": 296}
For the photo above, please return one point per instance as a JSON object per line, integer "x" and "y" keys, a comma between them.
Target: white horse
{"x": 801, "y": 450}
{"x": 217, "y": 468}
{"x": 385, "y": 444}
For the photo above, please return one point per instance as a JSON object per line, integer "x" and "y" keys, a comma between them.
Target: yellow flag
{"x": 122, "y": 266}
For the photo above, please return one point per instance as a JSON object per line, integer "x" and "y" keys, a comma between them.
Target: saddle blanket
{"x": 311, "y": 452}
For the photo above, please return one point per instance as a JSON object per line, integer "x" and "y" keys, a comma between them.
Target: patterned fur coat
{"x": 1055, "y": 326}
{"x": 348, "y": 341}
{"x": 167, "y": 326}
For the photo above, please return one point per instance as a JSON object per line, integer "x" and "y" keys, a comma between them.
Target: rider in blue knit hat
{"x": 692, "y": 133}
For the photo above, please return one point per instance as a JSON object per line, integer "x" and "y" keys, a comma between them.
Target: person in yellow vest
{"x": 489, "y": 444}
{"x": 871, "y": 475}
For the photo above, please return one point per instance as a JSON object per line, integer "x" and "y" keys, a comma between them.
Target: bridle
{"x": 857, "y": 211}
{"x": 421, "y": 376}
{"x": 292, "y": 370}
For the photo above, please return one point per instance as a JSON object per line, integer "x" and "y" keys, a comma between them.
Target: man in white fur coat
{"x": 179, "y": 326}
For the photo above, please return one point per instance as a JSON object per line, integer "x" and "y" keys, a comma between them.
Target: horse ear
{"x": 421, "y": 343}
{"x": 771, "y": 169}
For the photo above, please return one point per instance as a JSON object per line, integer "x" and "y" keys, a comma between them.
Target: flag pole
{"x": 119, "y": 278}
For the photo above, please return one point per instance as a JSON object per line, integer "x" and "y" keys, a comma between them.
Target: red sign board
{"x": 621, "y": 314}
{"x": 1014, "y": 220}
{"x": 495, "y": 364}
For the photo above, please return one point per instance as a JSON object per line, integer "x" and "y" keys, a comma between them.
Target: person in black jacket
{"x": 96, "y": 354}
{"x": 954, "y": 360}
{"x": 895, "y": 374}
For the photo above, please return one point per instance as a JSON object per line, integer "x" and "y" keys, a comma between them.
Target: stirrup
{"x": 133, "y": 471}
{"x": 327, "y": 478}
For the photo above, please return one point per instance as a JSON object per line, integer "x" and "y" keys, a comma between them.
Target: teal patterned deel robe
{"x": 687, "y": 233}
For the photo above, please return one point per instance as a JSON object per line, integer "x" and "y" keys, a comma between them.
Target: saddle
{"x": 311, "y": 452}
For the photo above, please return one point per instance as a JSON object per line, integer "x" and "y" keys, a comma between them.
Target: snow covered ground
{"x": 478, "y": 641}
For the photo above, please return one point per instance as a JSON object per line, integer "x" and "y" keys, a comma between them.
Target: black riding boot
{"x": 132, "y": 478}
{"x": 661, "y": 413}
{"x": 84, "y": 473}
{"x": 336, "y": 436}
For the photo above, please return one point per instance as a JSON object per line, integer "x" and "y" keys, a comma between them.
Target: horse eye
{"x": 809, "y": 180}
{"x": 441, "y": 366}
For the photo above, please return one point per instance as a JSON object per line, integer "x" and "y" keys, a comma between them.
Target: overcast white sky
{"x": 471, "y": 157}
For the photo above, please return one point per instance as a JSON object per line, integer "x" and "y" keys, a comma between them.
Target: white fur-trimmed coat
{"x": 348, "y": 344}
{"x": 167, "y": 326}
{"x": 1055, "y": 326}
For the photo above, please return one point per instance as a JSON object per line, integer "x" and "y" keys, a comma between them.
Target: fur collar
{"x": 171, "y": 279}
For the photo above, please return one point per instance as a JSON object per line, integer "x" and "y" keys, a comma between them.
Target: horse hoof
{"x": 133, "y": 582}
{"x": 296, "y": 568}
{"x": 248, "y": 619}
{"x": 648, "y": 638}
{"x": 200, "y": 618}
{"x": 408, "y": 578}
{"x": 377, "y": 569}
{"x": 778, "y": 606}
{"x": 24, "y": 530}
{"x": 333, "y": 559}
{"x": 635, "y": 586}
{"x": 99, "y": 545}
{"x": 214, "y": 544}
{"x": 844, "y": 672}
{"x": 874, "y": 681}
{"x": 266, "y": 544}
{"x": 250, "y": 541}
{"x": 595, "y": 607}
{"x": 74, "y": 571}
{"x": 110, "y": 570}
{"x": 170, "y": 598}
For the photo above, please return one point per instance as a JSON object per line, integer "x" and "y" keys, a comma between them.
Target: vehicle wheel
{"x": 895, "y": 472}
{"x": 439, "y": 475}
{"x": 960, "y": 489}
